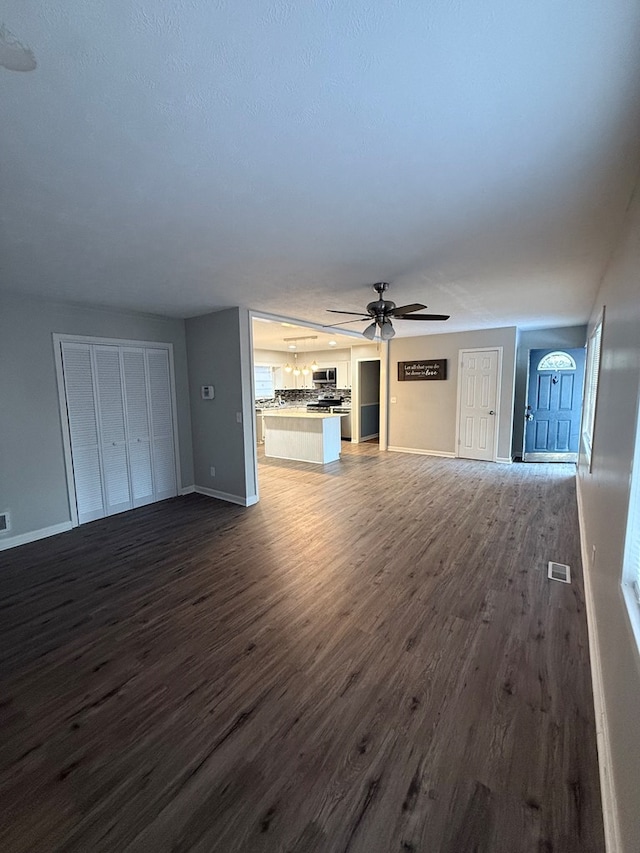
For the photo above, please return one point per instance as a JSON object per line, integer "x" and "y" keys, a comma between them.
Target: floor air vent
{"x": 559, "y": 572}
{"x": 4, "y": 522}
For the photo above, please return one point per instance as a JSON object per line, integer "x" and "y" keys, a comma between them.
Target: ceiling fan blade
{"x": 423, "y": 317}
{"x": 344, "y": 322}
{"x": 358, "y": 313}
{"x": 407, "y": 309}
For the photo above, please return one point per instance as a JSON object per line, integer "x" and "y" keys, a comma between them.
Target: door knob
{"x": 491, "y": 412}
{"x": 528, "y": 416}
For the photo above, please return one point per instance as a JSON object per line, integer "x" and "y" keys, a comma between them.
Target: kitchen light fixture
{"x": 292, "y": 344}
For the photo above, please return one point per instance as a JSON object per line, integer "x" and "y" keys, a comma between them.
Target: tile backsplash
{"x": 302, "y": 396}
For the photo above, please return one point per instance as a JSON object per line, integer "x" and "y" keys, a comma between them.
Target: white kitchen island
{"x": 302, "y": 436}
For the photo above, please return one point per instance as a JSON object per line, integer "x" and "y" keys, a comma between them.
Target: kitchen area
{"x": 303, "y": 392}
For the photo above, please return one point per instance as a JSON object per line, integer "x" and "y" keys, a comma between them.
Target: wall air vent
{"x": 559, "y": 572}
{"x": 5, "y": 524}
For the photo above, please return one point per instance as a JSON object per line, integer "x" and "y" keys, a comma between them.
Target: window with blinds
{"x": 263, "y": 382}
{"x": 631, "y": 574}
{"x": 591, "y": 388}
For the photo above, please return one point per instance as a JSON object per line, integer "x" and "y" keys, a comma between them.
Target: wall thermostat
{"x": 206, "y": 392}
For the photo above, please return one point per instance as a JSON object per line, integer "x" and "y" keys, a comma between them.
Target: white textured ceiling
{"x": 180, "y": 157}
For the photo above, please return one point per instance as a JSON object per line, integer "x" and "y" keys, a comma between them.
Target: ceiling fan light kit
{"x": 383, "y": 311}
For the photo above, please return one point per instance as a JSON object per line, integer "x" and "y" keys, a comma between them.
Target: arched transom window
{"x": 557, "y": 361}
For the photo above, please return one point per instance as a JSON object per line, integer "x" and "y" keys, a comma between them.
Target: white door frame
{"x": 461, "y": 352}
{"x": 58, "y": 339}
{"x": 382, "y": 399}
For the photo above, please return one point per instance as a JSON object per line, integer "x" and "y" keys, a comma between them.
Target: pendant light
{"x": 296, "y": 369}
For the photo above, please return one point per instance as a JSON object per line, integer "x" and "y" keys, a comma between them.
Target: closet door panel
{"x": 83, "y": 431}
{"x": 137, "y": 419}
{"x": 162, "y": 443}
{"x": 108, "y": 381}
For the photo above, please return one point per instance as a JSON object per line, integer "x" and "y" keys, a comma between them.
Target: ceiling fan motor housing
{"x": 381, "y": 308}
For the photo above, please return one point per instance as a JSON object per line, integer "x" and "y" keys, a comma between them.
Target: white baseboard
{"x": 225, "y": 496}
{"x": 369, "y": 437}
{"x": 422, "y": 452}
{"x": 607, "y": 785}
{"x": 34, "y": 535}
{"x": 187, "y": 490}
{"x": 504, "y": 460}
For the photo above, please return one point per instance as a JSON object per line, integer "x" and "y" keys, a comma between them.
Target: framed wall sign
{"x": 416, "y": 370}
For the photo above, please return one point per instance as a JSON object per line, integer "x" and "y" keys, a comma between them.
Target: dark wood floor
{"x": 370, "y": 660}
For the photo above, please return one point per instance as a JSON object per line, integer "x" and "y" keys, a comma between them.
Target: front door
{"x": 554, "y": 405}
{"x": 479, "y": 393}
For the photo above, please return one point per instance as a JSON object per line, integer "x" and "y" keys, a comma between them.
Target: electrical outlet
{"x": 212, "y": 471}
{"x": 394, "y": 399}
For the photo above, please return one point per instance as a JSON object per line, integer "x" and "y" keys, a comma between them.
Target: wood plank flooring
{"x": 369, "y": 660}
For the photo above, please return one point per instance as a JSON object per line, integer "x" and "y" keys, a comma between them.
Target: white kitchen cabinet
{"x": 343, "y": 374}
{"x": 284, "y": 380}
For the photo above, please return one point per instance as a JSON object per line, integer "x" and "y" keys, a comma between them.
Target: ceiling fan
{"x": 383, "y": 311}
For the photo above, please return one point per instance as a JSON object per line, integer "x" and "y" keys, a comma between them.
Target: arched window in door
{"x": 557, "y": 361}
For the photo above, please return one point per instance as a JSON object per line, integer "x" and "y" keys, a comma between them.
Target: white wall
{"x": 423, "y": 417}
{"x": 33, "y": 483}
{"x": 604, "y": 498}
{"x": 218, "y": 348}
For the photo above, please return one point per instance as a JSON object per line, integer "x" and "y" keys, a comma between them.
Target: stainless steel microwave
{"x": 324, "y": 376}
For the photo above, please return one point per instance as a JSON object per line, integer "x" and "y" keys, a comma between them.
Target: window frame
{"x": 591, "y": 387}
{"x": 631, "y": 559}
{"x": 261, "y": 368}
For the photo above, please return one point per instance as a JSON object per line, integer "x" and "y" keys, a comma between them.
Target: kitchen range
{"x": 334, "y": 405}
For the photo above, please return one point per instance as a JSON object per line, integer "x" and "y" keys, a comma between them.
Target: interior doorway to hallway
{"x": 366, "y": 422}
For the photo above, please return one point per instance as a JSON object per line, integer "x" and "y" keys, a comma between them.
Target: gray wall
{"x": 567, "y": 337}
{"x": 218, "y": 348}
{"x": 424, "y": 414}
{"x": 605, "y": 501}
{"x": 33, "y": 482}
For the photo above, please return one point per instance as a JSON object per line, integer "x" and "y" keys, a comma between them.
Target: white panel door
{"x": 137, "y": 420}
{"x": 478, "y": 398}
{"x": 83, "y": 431}
{"x": 115, "y": 463}
{"x": 162, "y": 444}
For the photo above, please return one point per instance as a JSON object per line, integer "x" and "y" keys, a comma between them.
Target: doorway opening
{"x": 368, "y": 401}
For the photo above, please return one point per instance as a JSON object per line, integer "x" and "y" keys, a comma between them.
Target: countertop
{"x": 299, "y": 413}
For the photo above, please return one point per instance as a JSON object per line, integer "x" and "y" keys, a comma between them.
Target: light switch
{"x": 207, "y": 392}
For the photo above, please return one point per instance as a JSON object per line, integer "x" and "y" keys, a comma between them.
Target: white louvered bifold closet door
{"x": 83, "y": 430}
{"x": 119, "y": 409}
{"x": 138, "y": 433}
{"x": 115, "y": 463}
{"x": 162, "y": 444}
